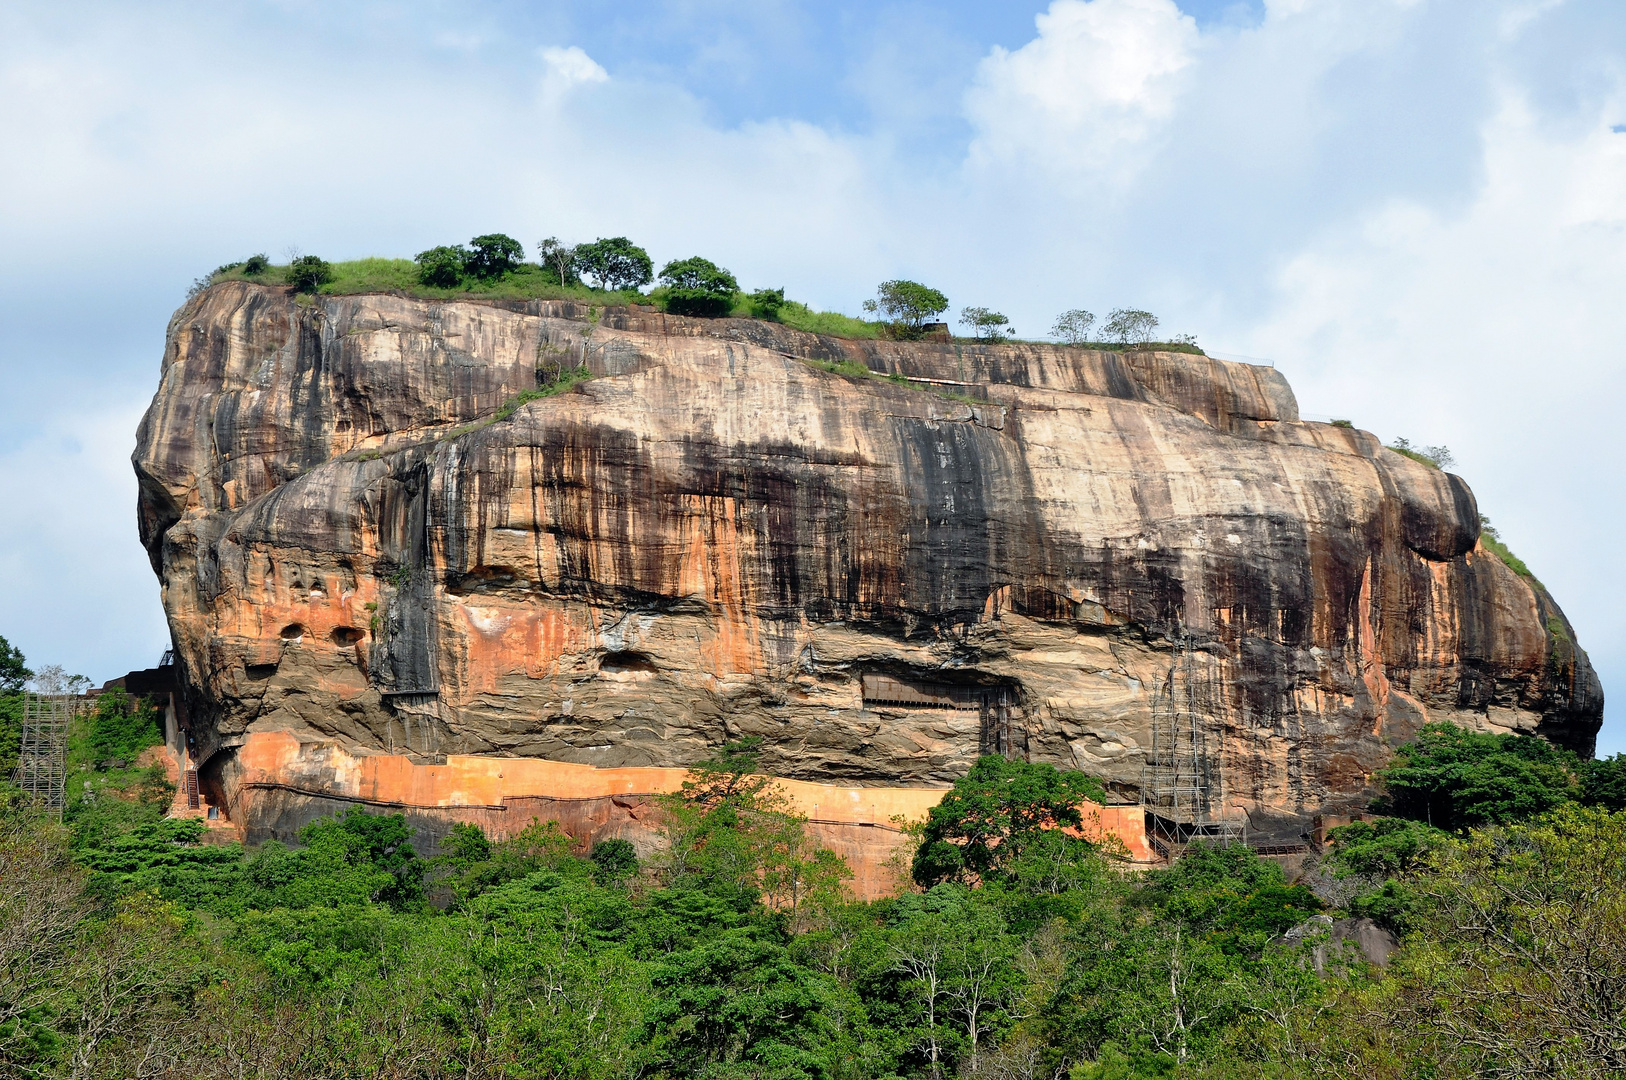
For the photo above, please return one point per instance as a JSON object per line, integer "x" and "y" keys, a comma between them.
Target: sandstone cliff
{"x": 1143, "y": 565}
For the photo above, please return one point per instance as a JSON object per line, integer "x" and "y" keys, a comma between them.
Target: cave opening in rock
{"x": 293, "y": 631}
{"x": 346, "y": 635}
{"x": 627, "y": 664}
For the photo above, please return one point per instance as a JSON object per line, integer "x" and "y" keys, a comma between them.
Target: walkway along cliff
{"x": 390, "y": 579}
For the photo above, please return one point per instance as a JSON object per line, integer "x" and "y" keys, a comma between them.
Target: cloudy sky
{"x": 1415, "y": 208}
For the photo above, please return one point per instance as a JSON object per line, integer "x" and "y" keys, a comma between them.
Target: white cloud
{"x": 68, "y": 559}
{"x": 1422, "y": 223}
{"x": 567, "y": 68}
{"x": 1494, "y": 327}
{"x": 1099, "y": 78}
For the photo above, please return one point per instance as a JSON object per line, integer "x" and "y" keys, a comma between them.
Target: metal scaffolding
{"x": 1181, "y": 779}
{"x": 42, "y": 765}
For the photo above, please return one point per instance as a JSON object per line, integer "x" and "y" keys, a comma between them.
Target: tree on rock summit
{"x": 698, "y": 287}
{"x": 907, "y": 305}
{"x": 492, "y": 255}
{"x": 615, "y": 263}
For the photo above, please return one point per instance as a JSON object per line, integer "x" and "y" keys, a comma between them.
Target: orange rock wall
{"x": 504, "y": 795}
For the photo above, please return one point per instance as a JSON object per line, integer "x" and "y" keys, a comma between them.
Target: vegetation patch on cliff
{"x": 566, "y": 380}
{"x": 1440, "y": 457}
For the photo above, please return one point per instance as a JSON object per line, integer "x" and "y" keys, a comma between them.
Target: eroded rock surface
{"x": 1051, "y": 552}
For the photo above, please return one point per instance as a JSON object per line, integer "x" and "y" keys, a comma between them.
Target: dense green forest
{"x": 132, "y": 946}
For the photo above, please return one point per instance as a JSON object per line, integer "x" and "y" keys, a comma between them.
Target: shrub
{"x": 308, "y": 273}
{"x": 765, "y": 304}
{"x": 1492, "y": 541}
{"x": 907, "y": 306}
{"x": 1073, "y": 327}
{"x": 801, "y": 317}
{"x": 1435, "y": 457}
{"x": 566, "y": 379}
{"x": 698, "y": 287}
{"x": 1384, "y": 847}
{"x": 256, "y": 265}
{"x": 614, "y": 860}
{"x": 441, "y": 267}
{"x": 614, "y": 263}
{"x": 120, "y": 728}
{"x": 1343, "y": 424}
{"x": 1130, "y": 326}
{"x": 987, "y": 325}
{"x": 492, "y": 255}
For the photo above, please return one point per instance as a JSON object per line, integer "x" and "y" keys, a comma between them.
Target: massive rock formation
{"x": 1140, "y": 564}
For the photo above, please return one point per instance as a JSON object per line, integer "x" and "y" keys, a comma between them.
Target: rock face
{"x": 1143, "y": 564}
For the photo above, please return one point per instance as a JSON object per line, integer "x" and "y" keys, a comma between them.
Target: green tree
{"x": 1073, "y": 327}
{"x": 492, "y": 255}
{"x": 698, "y": 287}
{"x": 41, "y": 909}
{"x": 1603, "y": 782}
{"x": 1228, "y": 897}
{"x": 1377, "y": 865}
{"x": 1519, "y": 966}
{"x": 14, "y": 673}
{"x": 558, "y": 257}
{"x": 986, "y": 325}
{"x": 441, "y": 267}
{"x": 920, "y": 950}
{"x": 1384, "y": 847}
{"x": 1436, "y": 457}
{"x": 353, "y": 858}
{"x": 307, "y": 273}
{"x": 1129, "y": 326}
{"x": 740, "y": 1006}
{"x": 614, "y": 263}
{"x": 729, "y": 827}
{"x": 255, "y": 265}
{"x": 1455, "y": 779}
{"x": 991, "y": 816}
{"x": 907, "y": 306}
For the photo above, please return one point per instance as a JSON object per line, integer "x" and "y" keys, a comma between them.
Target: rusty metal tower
{"x": 1181, "y": 778}
{"x": 42, "y": 760}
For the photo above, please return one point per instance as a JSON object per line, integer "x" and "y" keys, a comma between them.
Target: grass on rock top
{"x": 532, "y": 282}
{"x": 528, "y": 282}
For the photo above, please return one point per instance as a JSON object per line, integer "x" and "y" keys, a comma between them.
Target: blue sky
{"x": 1416, "y": 208}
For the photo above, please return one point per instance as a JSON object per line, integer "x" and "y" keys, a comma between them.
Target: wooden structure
{"x": 996, "y": 706}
